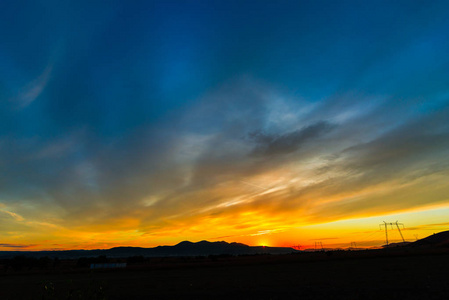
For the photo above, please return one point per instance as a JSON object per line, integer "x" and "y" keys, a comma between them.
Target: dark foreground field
{"x": 338, "y": 275}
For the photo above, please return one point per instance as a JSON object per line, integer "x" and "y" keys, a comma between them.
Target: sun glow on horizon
{"x": 364, "y": 232}
{"x": 195, "y": 124}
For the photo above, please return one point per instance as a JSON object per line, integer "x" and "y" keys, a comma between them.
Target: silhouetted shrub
{"x": 56, "y": 262}
{"x": 84, "y": 262}
{"x": 44, "y": 262}
{"x": 101, "y": 259}
{"x": 23, "y": 262}
{"x": 219, "y": 256}
{"x": 135, "y": 259}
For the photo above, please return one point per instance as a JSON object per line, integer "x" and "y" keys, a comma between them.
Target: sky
{"x": 278, "y": 123}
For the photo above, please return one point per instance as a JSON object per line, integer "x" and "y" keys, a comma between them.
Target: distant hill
{"x": 399, "y": 244}
{"x": 186, "y": 248}
{"x": 440, "y": 239}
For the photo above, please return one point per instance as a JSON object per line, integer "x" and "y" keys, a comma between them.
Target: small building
{"x": 108, "y": 266}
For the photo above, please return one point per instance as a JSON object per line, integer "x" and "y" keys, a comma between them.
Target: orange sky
{"x": 249, "y": 228}
{"x": 146, "y": 123}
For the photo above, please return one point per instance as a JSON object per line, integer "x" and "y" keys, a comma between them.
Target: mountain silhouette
{"x": 202, "y": 248}
{"x": 440, "y": 239}
{"x": 186, "y": 248}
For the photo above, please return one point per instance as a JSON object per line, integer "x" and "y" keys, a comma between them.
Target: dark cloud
{"x": 268, "y": 145}
{"x": 15, "y": 246}
{"x": 404, "y": 165}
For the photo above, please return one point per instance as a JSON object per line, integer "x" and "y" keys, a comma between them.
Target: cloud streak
{"x": 14, "y": 246}
{"x": 31, "y": 91}
{"x": 15, "y": 216}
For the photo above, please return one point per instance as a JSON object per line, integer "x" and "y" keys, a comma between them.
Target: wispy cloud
{"x": 56, "y": 149}
{"x": 15, "y": 216}
{"x": 31, "y": 91}
{"x": 437, "y": 226}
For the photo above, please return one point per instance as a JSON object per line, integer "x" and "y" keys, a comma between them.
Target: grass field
{"x": 338, "y": 275}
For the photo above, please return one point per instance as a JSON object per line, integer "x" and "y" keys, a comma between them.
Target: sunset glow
{"x": 274, "y": 124}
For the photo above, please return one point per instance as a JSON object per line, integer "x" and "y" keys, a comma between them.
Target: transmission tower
{"x": 397, "y": 225}
{"x": 385, "y": 224}
{"x": 319, "y": 244}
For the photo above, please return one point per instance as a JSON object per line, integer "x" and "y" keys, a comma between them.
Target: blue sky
{"x": 159, "y": 110}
